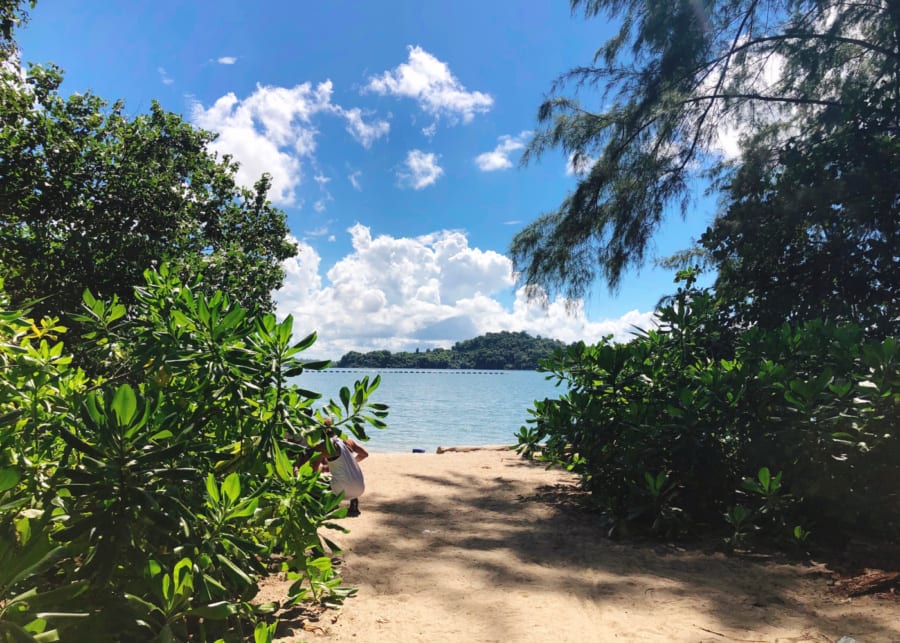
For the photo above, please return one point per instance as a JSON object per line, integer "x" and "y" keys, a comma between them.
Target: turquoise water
{"x": 429, "y": 409}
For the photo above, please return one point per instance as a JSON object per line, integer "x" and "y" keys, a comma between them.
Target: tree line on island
{"x": 505, "y": 350}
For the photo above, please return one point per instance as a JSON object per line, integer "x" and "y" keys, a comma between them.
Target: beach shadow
{"x": 548, "y": 539}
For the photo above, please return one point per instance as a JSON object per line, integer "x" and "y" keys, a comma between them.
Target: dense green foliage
{"x": 148, "y": 486}
{"x": 493, "y": 351}
{"x": 812, "y": 231}
{"x": 149, "y": 502}
{"x": 767, "y": 405}
{"x": 676, "y": 430}
{"x": 820, "y": 74}
{"x": 91, "y": 197}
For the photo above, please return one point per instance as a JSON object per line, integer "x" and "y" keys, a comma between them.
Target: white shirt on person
{"x": 346, "y": 476}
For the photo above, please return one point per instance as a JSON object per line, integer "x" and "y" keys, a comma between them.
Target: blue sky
{"x": 393, "y": 131}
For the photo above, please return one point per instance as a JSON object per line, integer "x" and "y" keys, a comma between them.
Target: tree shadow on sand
{"x": 548, "y": 540}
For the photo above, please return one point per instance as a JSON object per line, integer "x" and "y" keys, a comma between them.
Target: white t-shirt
{"x": 346, "y": 475}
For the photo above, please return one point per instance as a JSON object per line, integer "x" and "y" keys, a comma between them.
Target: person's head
{"x": 328, "y": 428}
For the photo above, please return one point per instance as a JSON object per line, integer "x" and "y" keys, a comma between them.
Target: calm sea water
{"x": 429, "y": 409}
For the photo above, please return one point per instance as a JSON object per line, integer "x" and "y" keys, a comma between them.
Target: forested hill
{"x": 493, "y": 351}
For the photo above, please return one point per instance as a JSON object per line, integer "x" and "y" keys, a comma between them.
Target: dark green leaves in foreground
{"x": 786, "y": 435}
{"x": 148, "y": 502}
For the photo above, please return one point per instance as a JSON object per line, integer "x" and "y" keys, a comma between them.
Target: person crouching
{"x": 341, "y": 459}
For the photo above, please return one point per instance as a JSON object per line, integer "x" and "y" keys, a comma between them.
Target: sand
{"x": 481, "y": 546}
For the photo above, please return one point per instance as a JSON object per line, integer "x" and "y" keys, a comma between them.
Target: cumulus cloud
{"x": 270, "y": 131}
{"x": 498, "y": 158}
{"x": 420, "y": 169}
{"x": 226, "y": 60}
{"x": 353, "y": 177}
{"x": 164, "y": 76}
{"x": 274, "y": 130}
{"x": 433, "y": 86}
{"x": 431, "y": 291}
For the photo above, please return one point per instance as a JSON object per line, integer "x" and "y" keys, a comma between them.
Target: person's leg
{"x": 354, "y": 507}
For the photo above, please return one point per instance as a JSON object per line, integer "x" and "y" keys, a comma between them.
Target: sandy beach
{"x": 481, "y": 546}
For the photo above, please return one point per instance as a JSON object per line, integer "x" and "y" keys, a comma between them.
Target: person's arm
{"x": 320, "y": 463}
{"x": 358, "y": 451}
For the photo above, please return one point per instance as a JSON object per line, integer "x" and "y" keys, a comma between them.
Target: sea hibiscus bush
{"x": 146, "y": 491}
{"x": 696, "y": 426}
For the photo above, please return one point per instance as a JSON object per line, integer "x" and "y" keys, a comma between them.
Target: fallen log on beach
{"x": 467, "y": 449}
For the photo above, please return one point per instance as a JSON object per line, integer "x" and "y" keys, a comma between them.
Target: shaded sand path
{"x": 472, "y": 546}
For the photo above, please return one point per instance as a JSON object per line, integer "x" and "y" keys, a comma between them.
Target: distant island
{"x": 494, "y": 351}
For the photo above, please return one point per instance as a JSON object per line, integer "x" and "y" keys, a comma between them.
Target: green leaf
{"x": 212, "y": 489}
{"x": 183, "y": 576}
{"x": 215, "y": 611}
{"x": 764, "y": 477}
{"x": 264, "y": 633}
{"x": 306, "y": 342}
{"x": 152, "y": 569}
{"x": 167, "y": 587}
{"x": 9, "y": 478}
{"x": 80, "y": 445}
{"x": 283, "y": 465}
{"x": 124, "y": 404}
{"x": 237, "y": 571}
{"x": 231, "y": 488}
{"x": 244, "y": 510}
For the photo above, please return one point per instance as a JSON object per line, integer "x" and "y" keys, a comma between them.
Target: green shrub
{"x": 160, "y": 490}
{"x": 664, "y": 430}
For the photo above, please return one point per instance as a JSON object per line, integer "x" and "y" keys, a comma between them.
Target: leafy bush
{"x": 160, "y": 490}
{"x": 666, "y": 431}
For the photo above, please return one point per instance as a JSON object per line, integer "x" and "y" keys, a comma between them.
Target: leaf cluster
{"x": 91, "y": 197}
{"x": 647, "y": 119}
{"x": 665, "y": 431}
{"x": 148, "y": 501}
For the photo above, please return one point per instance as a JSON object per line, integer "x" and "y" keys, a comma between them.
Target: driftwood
{"x": 465, "y": 449}
{"x": 872, "y": 581}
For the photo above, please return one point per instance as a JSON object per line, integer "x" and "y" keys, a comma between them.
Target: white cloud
{"x": 579, "y": 164}
{"x": 270, "y": 131}
{"x": 317, "y": 232}
{"x": 353, "y": 177}
{"x": 734, "y": 124}
{"x": 320, "y": 205}
{"x": 498, "y": 158}
{"x": 430, "y": 131}
{"x": 274, "y": 130}
{"x": 424, "y": 292}
{"x": 430, "y": 82}
{"x": 420, "y": 170}
{"x": 365, "y": 133}
{"x": 226, "y": 60}
{"x": 164, "y": 76}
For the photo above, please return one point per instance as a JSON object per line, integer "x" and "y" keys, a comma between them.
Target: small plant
{"x": 767, "y": 490}
{"x": 740, "y": 519}
{"x": 528, "y": 441}
{"x": 322, "y": 584}
{"x": 655, "y": 500}
{"x": 800, "y": 534}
